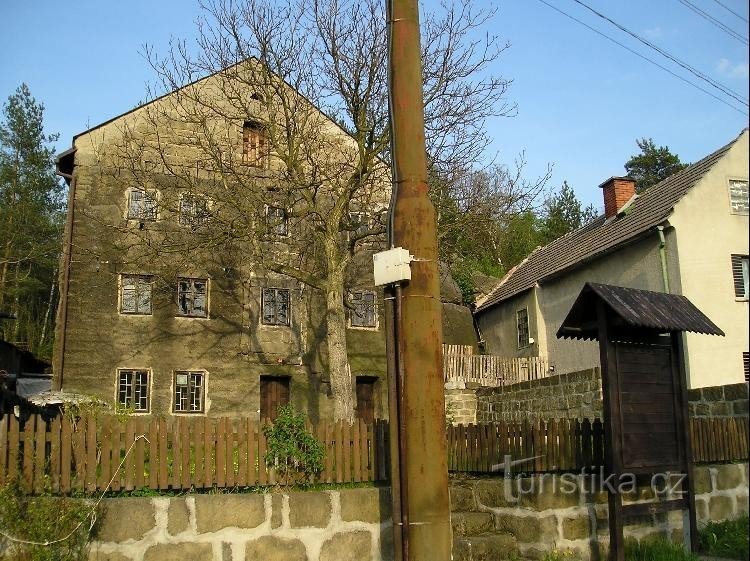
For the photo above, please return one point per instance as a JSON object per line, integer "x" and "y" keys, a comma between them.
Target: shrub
{"x": 43, "y": 519}
{"x": 656, "y": 550}
{"x": 726, "y": 539}
{"x": 291, "y": 450}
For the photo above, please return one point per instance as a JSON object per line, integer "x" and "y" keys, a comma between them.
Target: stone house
{"x": 686, "y": 235}
{"x": 166, "y": 305}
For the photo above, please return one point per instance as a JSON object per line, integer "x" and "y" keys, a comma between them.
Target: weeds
{"x": 726, "y": 539}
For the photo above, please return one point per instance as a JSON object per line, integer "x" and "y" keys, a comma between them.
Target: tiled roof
{"x": 602, "y": 235}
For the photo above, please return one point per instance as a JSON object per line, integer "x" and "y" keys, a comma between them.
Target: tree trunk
{"x": 342, "y": 386}
{"x": 49, "y": 309}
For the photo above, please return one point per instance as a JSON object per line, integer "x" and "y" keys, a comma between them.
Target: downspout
{"x": 62, "y": 319}
{"x": 663, "y": 257}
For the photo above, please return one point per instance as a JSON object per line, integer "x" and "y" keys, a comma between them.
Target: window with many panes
{"x": 135, "y": 294}
{"x": 189, "y": 391}
{"x": 277, "y": 220}
{"x": 194, "y": 210}
{"x": 254, "y": 144}
{"x": 132, "y": 390}
{"x": 738, "y": 196}
{"x": 142, "y": 205}
{"x": 192, "y": 297}
{"x": 275, "y": 306}
{"x": 740, "y": 276}
{"x": 522, "y": 325}
{"x": 364, "y": 309}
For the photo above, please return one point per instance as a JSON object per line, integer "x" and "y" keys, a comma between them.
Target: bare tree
{"x": 281, "y": 157}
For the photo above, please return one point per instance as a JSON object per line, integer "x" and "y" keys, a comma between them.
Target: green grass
{"x": 656, "y": 550}
{"x": 726, "y": 539}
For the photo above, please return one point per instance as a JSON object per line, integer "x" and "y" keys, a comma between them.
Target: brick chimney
{"x": 617, "y": 192}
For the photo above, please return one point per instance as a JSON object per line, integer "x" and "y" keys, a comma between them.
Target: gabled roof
{"x": 634, "y": 308}
{"x": 602, "y": 235}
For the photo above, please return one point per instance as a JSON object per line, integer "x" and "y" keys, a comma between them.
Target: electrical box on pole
{"x": 391, "y": 266}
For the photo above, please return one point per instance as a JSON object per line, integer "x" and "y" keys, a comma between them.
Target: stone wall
{"x": 719, "y": 401}
{"x": 566, "y": 396}
{"x": 346, "y": 525}
{"x": 461, "y": 406}
{"x": 497, "y": 518}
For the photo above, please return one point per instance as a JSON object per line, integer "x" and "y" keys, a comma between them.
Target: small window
{"x": 142, "y": 205}
{"x": 359, "y": 224}
{"x": 740, "y": 276}
{"x": 254, "y": 144}
{"x": 746, "y": 365}
{"x": 135, "y": 294}
{"x": 274, "y": 392}
{"x": 275, "y": 304}
{"x": 192, "y": 298}
{"x": 364, "y": 312}
{"x": 132, "y": 390}
{"x": 193, "y": 210}
{"x": 189, "y": 392}
{"x": 277, "y": 220}
{"x": 738, "y": 196}
{"x": 522, "y": 324}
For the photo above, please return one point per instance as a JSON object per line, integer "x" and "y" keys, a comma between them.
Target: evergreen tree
{"x": 31, "y": 218}
{"x": 563, "y": 214}
{"x": 652, "y": 165}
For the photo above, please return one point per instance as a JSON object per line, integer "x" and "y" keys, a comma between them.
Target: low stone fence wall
{"x": 346, "y": 525}
{"x": 719, "y": 401}
{"x": 492, "y": 518}
{"x": 497, "y": 518}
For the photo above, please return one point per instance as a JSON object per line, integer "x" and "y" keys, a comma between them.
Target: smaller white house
{"x": 686, "y": 235}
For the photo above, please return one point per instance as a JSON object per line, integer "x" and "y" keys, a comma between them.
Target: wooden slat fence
{"x": 179, "y": 453}
{"x": 186, "y": 453}
{"x": 493, "y": 371}
{"x": 570, "y": 445}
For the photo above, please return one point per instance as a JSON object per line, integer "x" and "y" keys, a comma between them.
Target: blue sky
{"x": 582, "y": 101}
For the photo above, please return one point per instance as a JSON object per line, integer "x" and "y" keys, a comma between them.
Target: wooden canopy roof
{"x": 633, "y": 308}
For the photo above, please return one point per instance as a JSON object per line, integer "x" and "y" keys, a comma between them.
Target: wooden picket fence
{"x": 97, "y": 453}
{"x": 492, "y": 371}
{"x": 572, "y": 445}
{"x": 92, "y": 454}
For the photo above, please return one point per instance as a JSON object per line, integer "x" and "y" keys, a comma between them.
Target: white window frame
{"x": 206, "y": 293}
{"x": 144, "y": 214}
{"x": 518, "y": 328}
{"x": 149, "y": 280}
{"x": 352, "y": 312}
{"x": 735, "y": 205}
{"x": 280, "y": 224}
{"x": 203, "y": 389}
{"x": 275, "y": 323}
{"x": 149, "y": 383}
{"x": 192, "y": 218}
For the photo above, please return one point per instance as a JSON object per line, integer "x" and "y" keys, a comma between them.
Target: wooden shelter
{"x": 645, "y": 390}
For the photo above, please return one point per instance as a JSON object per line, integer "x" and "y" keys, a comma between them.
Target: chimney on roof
{"x": 617, "y": 192}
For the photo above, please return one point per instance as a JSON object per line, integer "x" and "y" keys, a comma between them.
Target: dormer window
{"x": 254, "y": 144}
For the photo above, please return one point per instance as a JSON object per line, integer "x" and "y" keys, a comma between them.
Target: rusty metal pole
{"x": 424, "y": 502}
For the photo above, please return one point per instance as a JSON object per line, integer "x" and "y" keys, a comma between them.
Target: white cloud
{"x": 653, "y": 33}
{"x": 727, "y": 68}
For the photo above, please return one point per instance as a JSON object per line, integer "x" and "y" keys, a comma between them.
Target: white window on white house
{"x": 142, "y": 204}
{"x": 364, "y": 309}
{"x": 192, "y": 297}
{"x": 194, "y": 211}
{"x": 277, "y": 220}
{"x": 740, "y": 276}
{"x": 189, "y": 391}
{"x": 132, "y": 390}
{"x": 738, "y": 196}
{"x": 522, "y": 325}
{"x": 275, "y": 306}
{"x": 135, "y": 294}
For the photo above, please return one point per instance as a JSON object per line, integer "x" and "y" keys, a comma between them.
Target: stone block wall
{"x": 565, "y": 396}
{"x": 461, "y": 406}
{"x": 497, "y": 518}
{"x": 346, "y": 525}
{"x": 719, "y": 401}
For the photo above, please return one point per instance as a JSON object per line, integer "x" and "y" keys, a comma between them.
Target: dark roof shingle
{"x": 602, "y": 235}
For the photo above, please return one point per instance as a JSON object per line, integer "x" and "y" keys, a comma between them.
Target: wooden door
{"x": 274, "y": 392}
{"x": 366, "y": 398}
